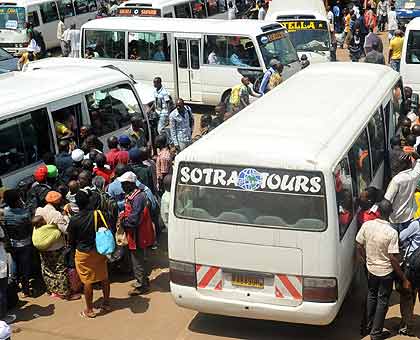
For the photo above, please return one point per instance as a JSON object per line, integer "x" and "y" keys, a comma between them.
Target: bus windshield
{"x": 12, "y": 17}
{"x": 408, "y": 4}
{"x": 256, "y": 197}
{"x": 277, "y": 45}
{"x": 308, "y": 35}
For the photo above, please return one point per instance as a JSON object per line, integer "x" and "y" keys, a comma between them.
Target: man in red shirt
{"x": 115, "y": 155}
{"x": 102, "y": 169}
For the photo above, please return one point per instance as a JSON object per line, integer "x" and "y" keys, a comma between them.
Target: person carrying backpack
{"x": 39, "y": 189}
{"x": 137, "y": 223}
{"x": 410, "y": 239}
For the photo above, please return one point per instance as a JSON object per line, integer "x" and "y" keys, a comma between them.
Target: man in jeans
{"x": 162, "y": 103}
{"x": 377, "y": 243}
{"x": 131, "y": 220}
{"x": 181, "y": 122}
{"x": 395, "y": 50}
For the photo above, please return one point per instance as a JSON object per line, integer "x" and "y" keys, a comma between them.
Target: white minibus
{"x": 216, "y": 9}
{"x": 262, "y": 221}
{"x": 199, "y": 61}
{"x": 44, "y": 15}
{"x": 307, "y": 24}
{"x": 37, "y": 103}
{"x": 410, "y": 58}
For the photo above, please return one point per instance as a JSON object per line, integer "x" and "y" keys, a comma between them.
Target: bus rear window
{"x": 251, "y": 196}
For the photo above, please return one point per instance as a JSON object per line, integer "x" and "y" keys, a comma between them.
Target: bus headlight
{"x": 182, "y": 273}
{"x": 319, "y": 289}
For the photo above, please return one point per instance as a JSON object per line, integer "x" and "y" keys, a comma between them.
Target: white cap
{"x": 128, "y": 177}
{"x": 77, "y": 155}
{"x": 5, "y": 331}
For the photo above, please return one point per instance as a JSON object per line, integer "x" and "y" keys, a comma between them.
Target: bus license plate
{"x": 246, "y": 280}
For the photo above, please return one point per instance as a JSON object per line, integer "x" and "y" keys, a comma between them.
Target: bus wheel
{"x": 225, "y": 97}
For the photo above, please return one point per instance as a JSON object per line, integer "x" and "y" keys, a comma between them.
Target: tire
{"x": 225, "y": 97}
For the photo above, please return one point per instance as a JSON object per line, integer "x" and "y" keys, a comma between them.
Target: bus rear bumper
{"x": 307, "y": 313}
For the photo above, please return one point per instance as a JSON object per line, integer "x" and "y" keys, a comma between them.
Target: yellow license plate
{"x": 246, "y": 280}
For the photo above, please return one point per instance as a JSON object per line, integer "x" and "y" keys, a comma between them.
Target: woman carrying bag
{"x": 91, "y": 265}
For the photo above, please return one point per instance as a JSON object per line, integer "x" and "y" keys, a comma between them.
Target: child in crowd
{"x": 163, "y": 160}
{"x": 101, "y": 169}
{"x": 72, "y": 207}
{"x": 166, "y": 198}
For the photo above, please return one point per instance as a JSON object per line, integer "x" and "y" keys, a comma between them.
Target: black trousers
{"x": 23, "y": 259}
{"x": 140, "y": 270}
{"x": 380, "y": 289}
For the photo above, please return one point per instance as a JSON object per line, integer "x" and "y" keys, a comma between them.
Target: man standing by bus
{"x": 395, "y": 50}
{"x": 162, "y": 103}
{"x": 377, "y": 243}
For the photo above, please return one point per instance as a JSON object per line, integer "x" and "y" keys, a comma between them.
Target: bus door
{"x": 188, "y": 77}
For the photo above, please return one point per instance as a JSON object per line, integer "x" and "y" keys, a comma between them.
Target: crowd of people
{"x": 359, "y": 25}
{"x": 389, "y": 235}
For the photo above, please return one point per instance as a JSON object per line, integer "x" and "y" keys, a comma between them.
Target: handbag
{"x": 120, "y": 236}
{"x": 104, "y": 239}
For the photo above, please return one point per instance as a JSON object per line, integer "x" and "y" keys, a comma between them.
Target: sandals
{"x": 86, "y": 315}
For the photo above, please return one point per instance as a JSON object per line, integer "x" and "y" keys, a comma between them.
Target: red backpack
{"x": 145, "y": 231}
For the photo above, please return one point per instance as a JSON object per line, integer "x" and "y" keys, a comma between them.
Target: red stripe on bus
{"x": 279, "y": 294}
{"x": 289, "y": 286}
{"x": 197, "y": 267}
{"x": 218, "y": 286}
{"x": 208, "y": 277}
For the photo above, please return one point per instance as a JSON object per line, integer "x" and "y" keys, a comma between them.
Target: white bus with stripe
{"x": 262, "y": 221}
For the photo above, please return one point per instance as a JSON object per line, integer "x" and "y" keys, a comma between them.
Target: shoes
{"x": 139, "y": 291}
{"x": 9, "y": 318}
{"x": 406, "y": 332}
{"x": 384, "y": 335}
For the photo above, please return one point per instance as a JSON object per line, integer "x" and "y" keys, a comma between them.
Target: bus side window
{"x": 33, "y": 18}
{"x": 232, "y": 51}
{"x": 360, "y": 164}
{"x": 67, "y": 123}
{"x": 195, "y": 54}
{"x": 344, "y": 195}
{"x": 25, "y": 139}
{"x": 112, "y": 108}
{"x": 106, "y": 44}
{"x": 66, "y": 8}
{"x": 183, "y": 10}
{"x": 215, "y": 7}
{"x": 168, "y": 15}
{"x": 148, "y": 46}
{"x": 377, "y": 140}
{"x": 49, "y": 12}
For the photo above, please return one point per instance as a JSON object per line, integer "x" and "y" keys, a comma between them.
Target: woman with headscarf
{"x": 54, "y": 270}
{"x": 90, "y": 265}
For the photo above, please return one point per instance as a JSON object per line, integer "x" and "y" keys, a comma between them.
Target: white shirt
{"x": 330, "y": 17}
{"x": 400, "y": 193}
{"x": 261, "y": 13}
{"x": 164, "y": 207}
{"x": 231, "y": 13}
{"x": 74, "y": 38}
{"x": 60, "y": 30}
{"x": 213, "y": 58}
{"x": 379, "y": 240}
{"x": 392, "y": 21}
{"x": 3, "y": 257}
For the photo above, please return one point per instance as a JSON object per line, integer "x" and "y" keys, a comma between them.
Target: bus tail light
{"x": 319, "y": 289}
{"x": 182, "y": 273}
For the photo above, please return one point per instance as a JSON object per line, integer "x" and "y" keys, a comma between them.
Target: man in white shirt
{"x": 330, "y": 17}
{"x": 400, "y": 192}
{"x": 392, "y": 22}
{"x": 162, "y": 103}
{"x": 262, "y": 12}
{"x": 61, "y": 27}
{"x": 377, "y": 243}
{"x": 73, "y": 38}
{"x": 231, "y": 11}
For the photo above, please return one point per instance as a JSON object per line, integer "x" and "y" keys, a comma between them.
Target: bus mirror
{"x": 304, "y": 61}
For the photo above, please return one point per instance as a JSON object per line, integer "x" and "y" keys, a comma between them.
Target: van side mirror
{"x": 304, "y": 61}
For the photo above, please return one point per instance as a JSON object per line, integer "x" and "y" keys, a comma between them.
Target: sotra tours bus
{"x": 44, "y": 15}
{"x": 199, "y": 61}
{"x": 37, "y": 102}
{"x": 262, "y": 222}
{"x": 307, "y": 24}
{"x": 197, "y": 9}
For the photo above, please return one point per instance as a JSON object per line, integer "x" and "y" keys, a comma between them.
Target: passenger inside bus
{"x": 64, "y": 123}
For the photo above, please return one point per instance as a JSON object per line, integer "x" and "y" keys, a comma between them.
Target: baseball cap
{"x": 128, "y": 177}
{"x": 41, "y": 173}
{"x": 124, "y": 140}
{"x": 52, "y": 171}
{"x": 274, "y": 62}
{"x": 77, "y": 155}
